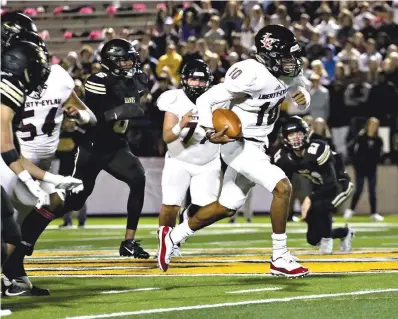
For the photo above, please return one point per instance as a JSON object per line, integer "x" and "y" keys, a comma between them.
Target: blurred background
{"x": 350, "y": 64}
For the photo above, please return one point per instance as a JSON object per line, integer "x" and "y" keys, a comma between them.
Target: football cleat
{"x": 166, "y": 247}
{"x": 326, "y": 246}
{"x": 348, "y": 213}
{"x": 15, "y": 291}
{"x": 5, "y": 312}
{"x": 287, "y": 266}
{"x": 132, "y": 248}
{"x": 346, "y": 242}
{"x": 376, "y": 218}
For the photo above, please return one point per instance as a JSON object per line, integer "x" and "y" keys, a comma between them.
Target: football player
{"x": 38, "y": 138}
{"x": 24, "y": 69}
{"x": 114, "y": 96}
{"x": 314, "y": 160}
{"x": 254, "y": 88}
{"x": 190, "y": 162}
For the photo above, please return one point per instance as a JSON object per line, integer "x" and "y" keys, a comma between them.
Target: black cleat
{"x": 132, "y": 248}
{"x": 15, "y": 291}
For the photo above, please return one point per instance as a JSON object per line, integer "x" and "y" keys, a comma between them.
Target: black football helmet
{"x": 295, "y": 124}
{"x": 115, "y": 51}
{"x": 28, "y": 63}
{"x": 278, "y": 50}
{"x": 29, "y": 37}
{"x": 15, "y": 22}
{"x": 195, "y": 69}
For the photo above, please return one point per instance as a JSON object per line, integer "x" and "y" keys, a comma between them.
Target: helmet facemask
{"x": 296, "y": 140}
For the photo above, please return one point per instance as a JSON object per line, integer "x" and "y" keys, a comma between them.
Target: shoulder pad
{"x": 12, "y": 91}
{"x": 96, "y": 83}
{"x": 165, "y": 100}
{"x": 63, "y": 75}
{"x": 241, "y": 78}
{"x": 320, "y": 150}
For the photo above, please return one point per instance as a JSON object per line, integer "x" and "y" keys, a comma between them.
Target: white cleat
{"x": 326, "y": 246}
{"x": 5, "y": 312}
{"x": 166, "y": 247}
{"x": 346, "y": 242}
{"x": 348, "y": 213}
{"x": 376, "y": 218}
{"x": 287, "y": 266}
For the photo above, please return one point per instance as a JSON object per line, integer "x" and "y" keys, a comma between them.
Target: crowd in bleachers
{"x": 350, "y": 53}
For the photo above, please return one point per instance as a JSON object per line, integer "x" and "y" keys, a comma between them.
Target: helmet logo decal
{"x": 267, "y": 42}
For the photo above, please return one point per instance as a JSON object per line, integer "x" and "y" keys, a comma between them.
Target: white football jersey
{"x": 39, "y": 132}
{"x": 259, "y": 110}
{"x": 191, "y": 146}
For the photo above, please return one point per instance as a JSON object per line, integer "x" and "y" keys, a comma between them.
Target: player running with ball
{"x": 254, "y": 88}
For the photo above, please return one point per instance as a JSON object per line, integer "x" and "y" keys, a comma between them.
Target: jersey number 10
{"x": 47, "y": 128}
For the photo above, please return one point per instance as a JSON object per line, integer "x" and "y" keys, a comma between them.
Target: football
{"x": 224, "y": 117}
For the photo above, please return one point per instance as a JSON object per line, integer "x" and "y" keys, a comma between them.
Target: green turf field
{"x": 223, "y": 274}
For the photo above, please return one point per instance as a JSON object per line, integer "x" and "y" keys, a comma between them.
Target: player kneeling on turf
{"x": 331, "y": 183}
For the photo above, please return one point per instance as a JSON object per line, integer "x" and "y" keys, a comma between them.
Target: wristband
{"x": 84, "y": 117}
{"x": 24, "y": 176}
{"x": 10, "y": 156}
{"x": 50, "y": 178}
{"x": 177, "y": 129}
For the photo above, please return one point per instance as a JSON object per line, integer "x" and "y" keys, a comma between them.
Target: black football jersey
{"x": 317, "y": 165}
{"x": 12, "y": 95}
{"x": 104, "y": 92}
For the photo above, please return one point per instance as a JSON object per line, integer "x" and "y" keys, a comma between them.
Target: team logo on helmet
{"x": 267, "y": 42}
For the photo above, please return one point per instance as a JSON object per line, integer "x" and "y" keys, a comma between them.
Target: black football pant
{"x": 319, "y": 221}
{"x": 121, "y": 164}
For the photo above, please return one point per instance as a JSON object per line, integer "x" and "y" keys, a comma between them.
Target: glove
{"x": 68, "y": 183}
{"x": 43, "y": 198}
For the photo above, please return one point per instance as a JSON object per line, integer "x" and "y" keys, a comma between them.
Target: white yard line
{"x": 238, "y": 225}
{"x": 233, "y": 304}
{"x": 253, "y": 290}
{"x": 130, "y": 290}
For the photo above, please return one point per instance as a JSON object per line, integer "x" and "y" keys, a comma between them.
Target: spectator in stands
{"x": 165, "y": 35}
{"x": 308, "y": 29}
{"x": 74, "y": 68}
{"x": 86, "y": 59}
{"x": 356, "y": 96}
{"x": 203, "y": 49}
{"x": 389, "y": 27}
{"x": 321, "y": 131}
{"x": 327, "y": 24}
{"x": 109, "y": 34}
{"x": 359, "y": 42}
{"x": 154, "y": 51}
{"x": 367, "y": 145}
{"x": 190, "y": 52}
{"x": 314, "y": 49}
{"x": 216, "y": 68}
{"x": 145, "y": 58}
{"x": 368, "y": 30}
{"x": 236, "y": 46}
{"x": 318, "y": 68}
{"x": 319, "y": 106}
{"x": 303, "y": 41}
{"x": 346, "y": 22}
{"x": 206, "y": 12}
{"x": 281, "y": 16}
{"x": 329, "y": 61}
{"x": 257, "y": 20}
{"x": 247, "y": 33}
{"x": 189, "y": 27}
{"x": 231, "y": 20}
{"x": 215, "y": 32}
{"x": 172, "y": 60}
{"x": 371, "y": 53}
{"x": 221, "y": 48}
{"x": 383, "y": 41}
{"x": 363, "y": 14}
{"x": 348, "y": 53}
